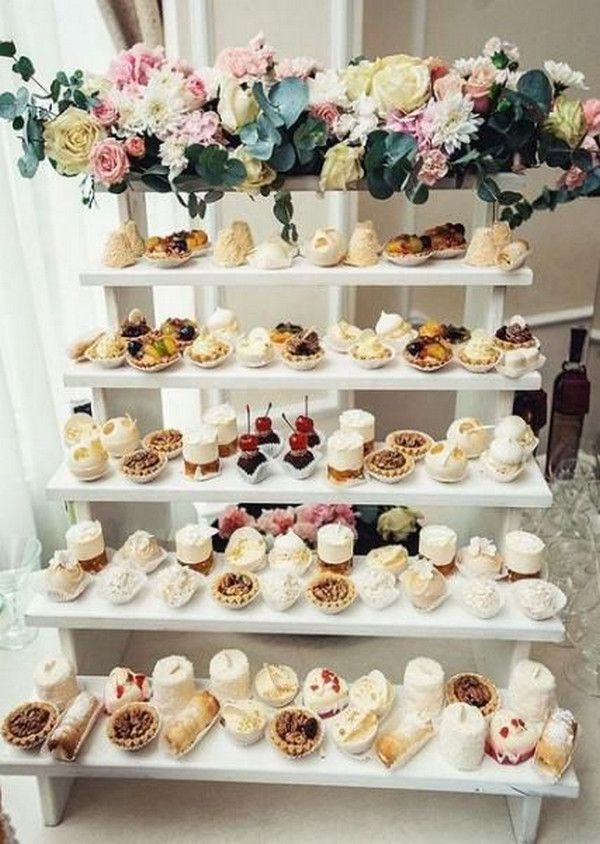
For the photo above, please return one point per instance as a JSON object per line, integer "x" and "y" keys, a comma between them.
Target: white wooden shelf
{"x": 218, "y": 758}
{"x": 476, "y": 490}
{"x": 335, "y": 372}
{"x": 203, "y": 271}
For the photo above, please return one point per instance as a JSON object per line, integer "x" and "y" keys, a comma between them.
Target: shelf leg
{"x": 54, "y": 793}
{"x": 524, "y": 817}
{"x": 92, "y": 651}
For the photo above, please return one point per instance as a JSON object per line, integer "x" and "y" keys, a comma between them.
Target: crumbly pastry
{"x": 167, "y": 441}
{"x": 303, "y": 351}
{"x": 394, "y": 329}
{"x": 391, "y": 558}
{"x": 354, "y": 730}
{"x": 28, "y": 725}
{"x": 133, "y": 237}
{"x": 377, "y": 588}
{"x": 289, "y": 551}
{"x": 469, "y": 434}
{"x": 272, "y": 254}
{"x": 325, "y": 692}
{"x": 427, "y": 354}
{"x": 280, "y": 588}
{"x": 244, "y": 720}
{"x": 524, "y": 554}
{"x": 388, "y": 465}
{"x": 485, "y": 244}
{"x": 362, "y": 422}
{"x": 325, "y": 248}
{"x": 462, "y": 735}
{"x": 55, "y": 681}
{"x": 424, "y": 585}
{"x": 556, "y": 746}
{"x": 246, "y": 550}
{"x": 345, "y": 454}
{"x": 119, "y": 584}
{"x": 480, "y": 353}
{"x": 511, "y": 740}
{"x": 364, "y": 246}
{"x": 143, "y": 465}
{"x": 373, "y": 692}
{"x": 473, "y": 689}
{"x": 133, "y": 726}
{"x": 296, "y": 732}
{"x": 415, "y": 444}
{"x": 482, "y": 598}
{"x": 446, "y": 463}
{"x": 172, "y": 683}
{"x": 256, "y": 348}
{"x": 539, "y": 599}
{"x": 223, "y": 418}
{"x": 178, "y": 584}
{"x": 370, "y": 351}
{"x": 423, "y": 687}
{"x": 276, "y": 685}
{"x": 85, "y": 541}
{"x": 79, "y": 428}
{"x": 515, "y": 334}
{"x": 65, "y": 578}
{"x": 118, "y": 252}
{"x": 408, "y": 249}
{"x": 342, "y": 335}
{"x": 331, "y": 593}
{"x": 516, "y": 362}
{"x": 77, "y": 348}
{"x": 438, "y": 544}
{"x": 194, "y": 546}
{"x": 480, "y": 558}
{"x": 124, "y": 686}
{"x": 234, "y": 244}
{"x": 141, "y": 550}
{"x": 224, "y": 323}
{"x": 108, "y": 350}
{"x": 68, "y": 736}
{"x": 447, "y": 240}
{"x": 88, "y": 460}
{"x": 229, "y": 672}
{"x": 504, "y": 460}
{"x": 516, "y": 428}
{"x": 153, "y": 352}
{"x": 235, "y": 590}
{"x": 201, "y": 454}
{"x": 394, "y": 749}
{"x": 532, "y": 690}
{"x": 208, "y": 350}
{"x": 335, "y": 548}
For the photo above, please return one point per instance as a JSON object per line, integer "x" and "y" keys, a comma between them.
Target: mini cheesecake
{"x": 201, "y": 454}
{"x": 85, "y": 541}
{"x": 335, "y": 548}
{"x": 194, "y": 548}
{"x": 223, "y": 418}
{"x": 363, "y": 423}
{"x": 345, "y": 457}
{"x": 523, "y": 554}
{"x": 437, "y": 543}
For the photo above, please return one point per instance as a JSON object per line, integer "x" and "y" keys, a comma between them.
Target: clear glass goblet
{"x": 19, "y": 556}
{"x": 582, "y": 669}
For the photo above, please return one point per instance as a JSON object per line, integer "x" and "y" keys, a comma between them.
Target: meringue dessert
{"x": 64, "y": 579}
{"x": 370, "y": 352}
{"x": 325, "y": 692}
{"x": 424, "y": 585}
{"x": 480, "y": 558}
{"x": 244, "y": 720}
{"x": 462, "y": 736}
{"x": 272, "y": 254}
{"x": 124, "y": 246}
{"x": 354, "y": 730}
{"x": 326, "y": 247}
{"x": 480, "y": 353}
{"x": 256, "y": 348}
{"x": 178, "y": 584}
{"x": 55, "y": 681}
{"x": 124, "y": 686}
{"x": 390, "y": 558}
{"x": 85, "y": 541}
{"x": 194, "y": 546}
{"x": 246, "y": 550}
{"x": 335, "y": 548}
{"x": 446, "y": 463}
{"x": 223, "y": 418}
{"x": 524, "y": 554}
{"x": 377, "y": 588}
{"x": 276, "y": 685}
{"x": 280, "y": 589}
{"x": 345, "y": 452}
{"x": 470, "y": 435}
{"x": 363, "y": 423}
{"x": 437, "y": 543}
{"x": 539, "y": 599}
{"x": 78, "y": 428}
{"x": 532, "y": 690}
{"x": 88, "y": 460}
{"x": 423, "y": 687}
{"x": 290, "y": 552}
{"x": 373, "y": 692}
{"x": 172, "y": 683}
{"x": 141, "y": 550}
{"x": 120, "y": 435}
{"x": 394, "y": 330}
{"x": 342, "y": 335}
{"x": 516, "y": 428}
{"x": 120, "y": 584}
{"x": 234, "y": 245}
{"x": 516, "y": 362}
{"x": 201, "y": 454}
{"x": 364, "y": 247}
{"x": 229, "y": 672}
{"x": 208, "y": 349}
{"x": 224, "y": 323}
{"x": 482, "y": 598}
{"x": 504, "y": 460}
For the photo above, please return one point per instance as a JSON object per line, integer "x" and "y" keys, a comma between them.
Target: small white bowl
{"x": 501, "y": 477}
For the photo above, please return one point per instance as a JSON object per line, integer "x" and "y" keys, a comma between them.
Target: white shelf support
{"x": 53, "y": 795}
{"x": 525, "y": 818}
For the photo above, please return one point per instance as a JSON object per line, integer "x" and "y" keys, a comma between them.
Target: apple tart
{"x": 133, "y": 725}
{"x": 191, "y": 724}
{"x": 28, "y": 725}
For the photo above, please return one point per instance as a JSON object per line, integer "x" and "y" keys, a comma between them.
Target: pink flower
{"x": 201, "y": 127}
{"x": 109, "y": 162}
{"x": 135, "y": 147}
{"x": 307, "y": 532}
{"x": 133, "y": 66}
{"x": 276, "y": 521}
{"x": 196, "y": 88}
{"x": 245, "y": 62}
{"x": 451, "y": 83}
{"x": 591, "y": 112}
{"x": 327, "y": 112}
{"x": 409, "y": 124}
{"x": 438, "y": 67}
{"x": 481, "y": 79}
{"x": 184, "y": 67}
{"x": 105, "y": 112}
{"x": 573, "y": 178}
{"x": 233, "y": 518}
{"x": 434, "y": 167}
{"x": 301, "y": 67}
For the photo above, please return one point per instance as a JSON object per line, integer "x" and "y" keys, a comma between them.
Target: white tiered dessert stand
{"x": 91, "y": 630}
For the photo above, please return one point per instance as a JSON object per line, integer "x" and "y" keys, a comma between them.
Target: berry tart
{"x": 296, "y": 732}
{"x": 184, "y": 331}
{"x": 133, "y": 725}
{"x": 283, "y": 332}
{"x": 252, "y": 464}
{"x": 299, "y": 461}
{"x": 388, "y": 465}
{"x": 153, "y": 352}
{"x": 303, "y": 351}
{"x": 331, "y": 593}
{"x": 475, "y": 690}
{"x": 269, "y": 441}
{"x": 27, "y": 726}
{"x": 167, "y": 252}
{"x": 143, "y": 465}
{"x": 167, "y": 441}
{"x": 414, "y": 444}
{"x": 208, "y": 350}
{"x": 447, "y": 240}
{"x": 235, "y": 590}
{"x": 408, "y": 249}
{"x": 135, "y": 325}
{"x": 516, "y": 334}
{"x": 427, "y": 353}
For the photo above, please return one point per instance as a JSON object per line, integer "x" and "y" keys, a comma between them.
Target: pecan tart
{"x": 27, "y": 726}
{"x": 474, "y": 689}
{"x": 296, "y": 731}
{"x": 167, "y": 441}
{"x": 331, "y": 593}
{"x": 235, "y": 590}
{"x": 133, "y": 725}
{"x": 303, "y": 351}
{"x": 388, "y": 465}
{"x": 413, "y": 444}
{"x": 143, "y": 465}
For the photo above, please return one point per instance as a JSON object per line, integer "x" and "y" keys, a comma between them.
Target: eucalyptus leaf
{"x": 160, "y": 184}
{"x": 399, "y": 145}
{"x": 283, "y": 158}
{"x": 268, "y": 110}
{"x": 121, "y": 187}
{"x": 28, "y": 163}
{"x": 535, "y": 85}
{"x": 8, "y": 106}
{"x": 312, "y": 133}
{"x": 418, "y": 194}
{"x": 488, "y": 190}
{"x": 378, "y": 187}
{"x": 508, "y": 197}
{"x": 213, "y": 195}
{"x": 24, "y": 67}
{"x": 234, "y": 172}
{"x": 7, "y": 49}
{"x": 290, "y": 98}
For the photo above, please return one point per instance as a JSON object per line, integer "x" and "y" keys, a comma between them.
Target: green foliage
{"x": 7, "y": 49}
{"x": 536, "y": 87}
{"x": 309, "y": 136}
{"x": 260, "y": 138}
{"x": 283, "y": 210}
{"x": 24, "y": 67}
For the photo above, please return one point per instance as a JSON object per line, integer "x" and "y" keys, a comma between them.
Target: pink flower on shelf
{"x": 410, "y": 124}
{"x": 345, "y": 514}
{"x": 301, "y": 67}
{"x": 438, "y": 67}
{"x": 451, "y": 83}
{"x": 135, "y": 147}
{"x": 196, "y": 88}
{"x": 246, "y": 62}
{"x": 201, "y": 127}
{"x": 276, "y": 521}
{"x": 307, "y": 531}
{"x": 591, "y": 112}
{"x": 327, "y": 112}
{"x": 108, "y": 161}
{"x": 434, "y": 167}
{"x": 133, "y": 66}
{"x": 233, "y": 518}
{"x": 316, "y": 514}
{"x": 573, "y": 178}
{"x": 105, "y": 112}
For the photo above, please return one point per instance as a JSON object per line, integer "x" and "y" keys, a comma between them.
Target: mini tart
{"x": 296, "y": 731}
{"x": 143, "y": 465}
{"x": 167, "y": 441}
{"x": 218, "y": 354}
{"x": 331, "y": 593}
{"x": 184, "y": 331}
{"x": 473, "y": 689}
{"x": 283, "y": 332}
{"x": 481, "y": 363}
{"x": 408, "y": 249}
{"x": 413, "y": 444}
{"x": 389, "y": 465}
{"x": 303, "y": 351}
{"x": 235, "y": 590}
{"x": 28, "y": 726}
{"x": 133, "y": 726}
{"x": 428, "y": 354}
{"x": 152, "y": 352}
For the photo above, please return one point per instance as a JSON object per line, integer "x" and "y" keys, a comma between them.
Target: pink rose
{"x": 201, "y": 127}
{"x": 434, "y": 167}
{"x": 105, "y": 112}
{"x": 196, "y": 88}
{"x": 573, "y": 178}
{"x": 591, "y": 112}
{"x": 184, "y": 67}
{"x": 276, "y": 521}
{"x": 327, "y": 112}
{"x": 451, "y": 83}
{"x": 481, "y": 79}
{"x": 109, "y": 162}
{"x": 438, "y": 67}
{"x": 301, "y": 67}
{"x": 133, "y": 66}
{"x": 135, "y": 147}
{"x": 233, "y": 518}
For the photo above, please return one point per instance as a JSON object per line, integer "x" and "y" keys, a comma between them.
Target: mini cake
{"x": 524, "y": 554}
{"x": 269, "y": 441}
{"x": 408, "y": 249}
{"x": 482, "y": 598}
{"x": 201, "y": 454}
{"x": 141, "y": 550}
{"x": 235, "y": 590}
{"x": 28, "y": 725}
{"x": 246, "y": 550}
{"x": 423, "y": 688}
{"x": 280, "y": 589}
{"x": 255, "y": 349}
{"x": 370, "y": 351}
{"x": 510, "y": 739}
{"x": 191, "y": 724}
{"x": 85, "y": 541}
{"x": 299, "y": 460}
{"x": 373, "y": 692}
{"x": 392, "y": 558}
{"x": 394, "y": 329}
{"x": 447, "y": 240}
{"x": 65, "y": 578}
{"x": 474, "y": 690}
{"x": 244, "y": 720}
{"x": 172, "y": 683}
{"x": 446, "y": 462}
{"x": 120, "y": 584}
{"x": 396, "y": 748}
{"x": 504, "y": 460}
{"x": 516, "y": 362}
{"x": 55, "y": 681}
{"x": 88, "y": 460}
{"x": 361, "y": 422}
{"x": 462, "y": 736}
{"x": 427, "y": 354}
{"x": 296, "y": 732}
{"x": 133, "y": 726}
{"x": 177, "y": 585}
{"x": 555, "y": 748}
{"x": 437, "y": 543}
{"x": 532, "y": 690}
{"x": 413, "y": 443}
{"x": 469, "y": 434}
{"x": 335, "y": 548}
{"x": 272, "y": 254}
{"x": 223, "y": 418}
{"x": 209, "y": 349}
{"x": 194, "y": 547}
{"x": 424, "y": 585}
{"x": 354, "y": 730}
{"x": 68, "y": 736}
{"x": 325, "y": 248}
{"x": 325, "y": 692}
{"x": 331, "y": 593}
{"x": 480, "y": 558}
{"x": 377, "y": 588}
{"x": 480, "y": 353}
{"x": 539, "y": 599}
{"x": 341, "y": 336}
{"x": 290, "y": 552}
{"x": 364, "y": 247}
{"x": 276, "y": 685}
{"x": 143, "y": 465}
{"x": 229, "y": 673}
{"x": 185, "y": 331}
{"x": 345, "y": 452}
{"x": 167, "y": 441}
{"x": 124, "y": 686}
{"x": 303, "y": 351}
{"x": 515, "y": 428}
{"x": 516, "y": 334}
{"x": 234, "y": 244}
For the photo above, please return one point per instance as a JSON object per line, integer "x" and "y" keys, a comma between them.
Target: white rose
{"x": 258, "y": 173}
{"x": 341, "y": 167}
{"x": 327, "y": 87}
{"x": 357, "y": 79}
{"x": 237, "y": 105}
{"x": 401, "y": 83}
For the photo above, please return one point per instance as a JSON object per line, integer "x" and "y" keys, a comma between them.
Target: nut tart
{"x": 153, "y": 352}
{"x": 27, "y": 726}
{"x": 143, "y": 465}
{"x": 133, "y": 726}
{"x": 235, "y": 590}
{"x": 183, "y": 732}
{"x": 208, "y": 350}
{"x": 303, "y": 351}
{"x": 475, "y": 690}
{"x": 389, "y": 465}
{"x": 67, "y": 738}
{"x": 296, "y": 732}
{"x": 331, "y": 593}
{"x": 413, "y": 444}
{"x": 427, "y": 354}
{"x": 167, "y": 441}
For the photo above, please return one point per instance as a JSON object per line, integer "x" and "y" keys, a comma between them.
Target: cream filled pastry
{"x": 504, "y": 460}
{"x": 532, "y": 690}
{"x": 361, "y": 422}
{"x": 325, "y": 692}
{"x": 65, "y": 579}
{"x": 554, "y": 750}
{"x": 194, "y": 546}
{"x": 446, "y": 462}
{"x": 229, "y": 673}
{"x": 469, "y": 434}
{"x": 224, "y": 323}
{"x": 392, "y": 558}
{"x": 335, "y": 547}
{"x": 234, "y": 244}
{"x": 345, "y": 452}
{"x": 172, "y": 683}
{"x": 289, "y": 551}
{"x": 124, "y": 686}
{"x": 513, "y": 255}
{"x": 120, "y": 435}
{"x": 223, "y": 418}
{"x": 209, "y": 349}
{"x": 462, "y": 736}
{"x": 256, "y": 348}
{"x": 438, "y": 544}
{"x": 480, "y": 558}
{"x": 88, "y": 460}
{"x": 85, "y": 541}
{"x": 354, "y": 729}
{"x": 141, "y": 550}
{"x": 272, "y": 254}
{"x": 55, "y": 681}
{"x": 516, "y": 362}
{"x": 393, "y": 329}
{"x": 515, "y": 428}
{"x": 524, "y": 554}
{"x": 342, "y": 335}
{"x": 370, "y": 350}
{"x": 326, "y": 247}
{"x": 373, "y": 692}
{"x": 424, "y": 585}
{"x": 423, "y": 687}
{"x": 246, "y": 550}
{"x": 276, "y": 685}
{"x": 201, "y": 454}
{"x": 480, "y": 353}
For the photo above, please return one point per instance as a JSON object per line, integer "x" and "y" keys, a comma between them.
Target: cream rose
{"x": 357, "y": 79}
{"x": 400, "y": 83}
{"x": 341, "y": 167}
{"x": 237, "y": 105}
{"x": 258, "y": 173}
{"x": 69, "y": 139}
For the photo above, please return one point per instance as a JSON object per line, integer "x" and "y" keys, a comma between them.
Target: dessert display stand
{"x": 95, "y": 634}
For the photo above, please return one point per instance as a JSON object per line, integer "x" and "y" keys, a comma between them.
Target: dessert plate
{"x": 157, "y": 367}
{"x": 508, "y": 373}
{"x": 408, "y": 260}
{"x": 168, "y": 263}
{"x": 209, "y": 364}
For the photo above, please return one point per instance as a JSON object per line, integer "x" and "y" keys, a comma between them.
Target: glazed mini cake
{"x": 201, "y": 454}
{"x": 345, "y": 454}
{"x": 194, "y": 547}
{"x": 335, "y": 548}
{"x": 511, "y": 740}
{"x": 223, "y": 418}
{"x": 470, "y": 434}
{"x": 85, "y": 541}
{"x": 325, "y": 692}
{"x": 523, "y": 554}
{"x": 437, "y": 543}
{"x": 462, "y": 736}
{"x": 229, "y": 673}
{"x": 55, "y": 681}
{"x": 532, "y": 690}
{"x": 423, "y": 686}
{"x": 362, "y": 422}
{"x": 172, "y": 683}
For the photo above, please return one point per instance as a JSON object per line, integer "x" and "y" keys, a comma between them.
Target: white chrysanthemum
{"x": 496, "y": 45}
{"x": 511, "y": 79}
{"x": 360, "y": 122}
{"x": 450, "y": 122}
{"x": 131, "y": 118}
{"x": 564, "y": 76}
{"x": 327, "y": 87}
{"x": 464, "y": 67}
{"x": 172, "y": 154}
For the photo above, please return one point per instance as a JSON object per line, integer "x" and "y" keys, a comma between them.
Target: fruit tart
{"x": 183, "y": 330}
{"x": 414, "y": 444}
{"x": 475, "y": 690}
{"x": 27, "y": 726}
{"x": 135, "y": 325}
{"x": 331, "y": 593}
{"x": 447, "y": 240}
{"x": 303, "y": 351}
{"x": 153, "y": 352}
{"x": 296, "y": 731}
{"x": 196, "y": 240}
{"x": 167, "y": 252}
{"x": 208, "y": 350}
{"x": 133, "y": 725}
{"x": 388, "y": 465}
{"x": 427, "y": 354}
{"x": 408, "y": 249}
{"x": 516, "y": 334}
{"x": 167, "y": 441}
{"x": 283, "y": 332}
{"x": 235, "y": 590}
{"x": 143, "y": 465}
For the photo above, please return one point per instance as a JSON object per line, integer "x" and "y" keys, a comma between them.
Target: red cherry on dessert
{"x": 298, "y": 441}
{"x": 248, "y": 442}
{"x": 305, "y": 424}
{"x": 263, "y": 424}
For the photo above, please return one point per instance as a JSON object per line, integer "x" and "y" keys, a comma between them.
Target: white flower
{"x": 511, "y": 78}
{"x": 496, "y": 45}
{"x": 563, "y": 76}
{"x": 360, "y": 122}
{"x": 327, "y": 87}
{"x": 450, "y": 122}
{"x": 172, "y": 154}
{"x": 464, "y": 67}
{"x": 211, "y": 78}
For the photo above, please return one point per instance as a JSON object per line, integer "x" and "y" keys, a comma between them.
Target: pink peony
{"x": 327, "y": 112}
{"x": 591, "y": 112}
{"x": 201, "y": 127}
{"x": 109, "y": 162}
{"x": 409, "y": 124}
{"x": 196, "y": 88}
{"x": 133, "y": 66}
{"x": 105, "y": 112}
{"x": 135, "y": 147}
{"x": 307, "y": 531}
{"x": 573, "y": 178}
{"x": 301, "y": 67}
{"x": 276, "y": 521}
{"x": 434, "y": 167}
{"x": 233, "y": 518}
{"x": 184, "y": 67}
{"x": 316, "y": 514}
{"x": 451, "y": 83}
{"x": 479, "y": 84}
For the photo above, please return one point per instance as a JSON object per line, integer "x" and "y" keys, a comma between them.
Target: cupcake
{"x": 524, "y": 554}
{"x": 363, "y": 423}
{"x": 201, "y": 454}
{"x": 516, "y": 428}
{"x": 223, "y": 418}
{"x": 256, "y": 348}
{"x": 65, "y": 578}
{"x": 424, "y": 585}
{"x": 480, "y": 558}
{"x": 446, "y": 463}
{"x": 335, "y": 548}
{"x": 325, "y": 692}
{"x": 290, "y": 552}
{"x": 437, "y": 543}
{"x": 194, "y": 547}
{"x": 515, "y": 334}
{"x": 85, "y": 541}
{"x": 469, "y": 434}
{"x": 88, "y": 460}
{"x": 345, "y": 452}
{"x": 504, "y": 460}
{"x": 480, "y": 353}
{"x": 325, "y": 248}
{"x": 391, "y": 558}
{"x": 510, "y": 739}
{"x": 246, "y": 550}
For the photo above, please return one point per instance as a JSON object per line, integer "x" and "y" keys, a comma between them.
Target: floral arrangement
{"x": 305, "y": 520}
{"x": 400, "y": 122}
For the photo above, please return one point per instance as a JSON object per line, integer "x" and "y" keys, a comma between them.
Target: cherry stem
{"x": 269, "y": 406}
{"x": 287, "y": 421}
{"x": 248, "y": 417}
{"x": 306, "y": 405}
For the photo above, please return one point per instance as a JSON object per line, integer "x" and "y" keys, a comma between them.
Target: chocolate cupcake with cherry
{"x": 252, "y": 464}
{"x": 305, "y": 424}
{"x": 269, "y": 441}
{"x": 299, "y": 461}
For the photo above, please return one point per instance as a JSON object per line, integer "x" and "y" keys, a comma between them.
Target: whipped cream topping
{"x": 391, "y": 325}
{"x": 196, "y": 534}
{"x": 63, "y": 559}
{"x": 205, "y": 435}
{"x": 345, "y": 450}
{"x": 325, "y": 691}
{"x": 336, "y": 534}
{"x": 244, "y": 718}
{"x": 480, "y": 346}
{"x": 141, "y": 546}
{"x": 423, "y": 568}
{"x": 178, "y": 584}
{"x": 538, "y": 598}
{"x": 223, "y": 320}
{"x": 121, "y": 583}
{"x": 388, "y": 558}
{"x": 515, "y": 428}
{"x": 205, "y": 343}
{"x": 246, "y": 549}
{"x": 370, "y": 347}
{"x": 109, "y": 345}
{"x": 505, "y": 452}
{"x": 84, "y": 531}
{"x": 481, "y": 545}
{"x": 290, "y": 551}
{"x": 482, "y": 598}
{"x": 377, "y": 587}
{"x": 276, "y": 684}
{"x": 219, "y": 414}
{"x": 280, "y": 588}
{"x": 256, "y": 345}
{"x": 372, "y": 693}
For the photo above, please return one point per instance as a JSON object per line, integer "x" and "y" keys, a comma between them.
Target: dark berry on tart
{"x": 408, "y": 244}
{"x": 303, "y": 345}
{"x": 184, "y": 331}
{"x": 428, "y": 353}
{"x": 283, "y": 331}
{"x": 135, "y": 325}
{"x": 456, "y": 334}
{"x": 474, "y": 690}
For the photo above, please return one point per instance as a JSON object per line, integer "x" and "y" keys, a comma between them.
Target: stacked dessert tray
{"x": 498, "y": 643}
